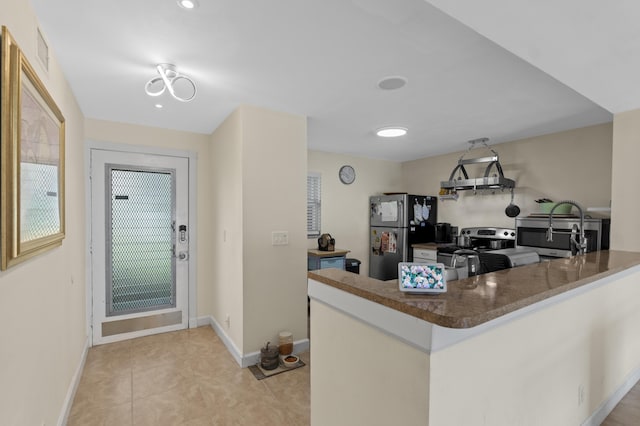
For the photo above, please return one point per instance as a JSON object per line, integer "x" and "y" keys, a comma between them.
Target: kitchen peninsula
{"x": 552, "y": 343}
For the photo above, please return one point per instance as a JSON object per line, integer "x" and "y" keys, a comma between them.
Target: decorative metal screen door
{"x": 139, "y": 241}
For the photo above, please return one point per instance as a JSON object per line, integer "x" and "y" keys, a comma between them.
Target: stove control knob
{"x": 513, "y": 234}
{"x": 506, "y": 233}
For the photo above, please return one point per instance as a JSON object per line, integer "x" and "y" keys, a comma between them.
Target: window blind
{"x": 313, "y": 204}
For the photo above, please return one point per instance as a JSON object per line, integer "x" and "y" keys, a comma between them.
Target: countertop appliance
{"x": 531, "y": 232}
{"x": 444, "y": 232}
{"x": 396, "y": 222}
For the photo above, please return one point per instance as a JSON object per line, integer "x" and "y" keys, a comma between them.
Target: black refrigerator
{"x": 396, "y": 222}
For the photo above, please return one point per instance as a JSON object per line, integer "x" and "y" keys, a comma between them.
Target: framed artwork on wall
{"x": 32, "y": 160}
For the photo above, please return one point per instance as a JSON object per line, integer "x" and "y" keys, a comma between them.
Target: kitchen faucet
{"x": 577, "y": 247}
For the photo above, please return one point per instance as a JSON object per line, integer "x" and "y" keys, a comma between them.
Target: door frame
{"x": 192, "y": 158}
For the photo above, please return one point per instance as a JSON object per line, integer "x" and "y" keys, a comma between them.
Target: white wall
{"x": 42, "y": 308}
{"x": 625, "y": 204}
{"x": 575, "y": 165}
{"x": 345, "y": 208}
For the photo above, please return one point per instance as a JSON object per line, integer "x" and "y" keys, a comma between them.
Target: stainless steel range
{"x": 480, "y": 239}
{"x": 495, "y": 247}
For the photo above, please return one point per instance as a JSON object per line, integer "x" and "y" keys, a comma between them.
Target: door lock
{"x": 183, "y": 255}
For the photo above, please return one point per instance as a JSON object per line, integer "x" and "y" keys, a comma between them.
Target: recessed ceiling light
{"x": 188, "y": 4}
{"x": 391, "y": 132}
{"x": 159, "y": 106}
{"x": 392, "y": 82}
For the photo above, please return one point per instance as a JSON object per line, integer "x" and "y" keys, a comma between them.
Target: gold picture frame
{"x": 32, "y": 159}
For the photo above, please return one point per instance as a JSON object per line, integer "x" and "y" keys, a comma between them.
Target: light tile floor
{"x": 627, "y": 412}
{"x": 184, "y": 378}
{"x": 189, "y": 378}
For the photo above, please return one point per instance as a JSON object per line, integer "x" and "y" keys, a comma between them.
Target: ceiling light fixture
{"x": 171, "y": 80}
{"x": 394, "y": 82}
{"x": 391, "y": 132}
{"x": 188, "y": 4}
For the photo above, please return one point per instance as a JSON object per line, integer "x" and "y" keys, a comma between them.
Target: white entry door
{"x": 139, "y": 244}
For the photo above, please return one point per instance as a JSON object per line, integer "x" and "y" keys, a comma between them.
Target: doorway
{"x": 139, "y": 244}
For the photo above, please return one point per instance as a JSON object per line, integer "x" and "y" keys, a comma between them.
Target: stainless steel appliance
{"x": 531, "y": 232}
{"x": 396, "y": 222}
{"x": 495, "y": 249}
{"x": 481, "y": 239}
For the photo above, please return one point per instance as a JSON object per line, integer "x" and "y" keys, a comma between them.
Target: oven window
{"x": 537, "y": 237}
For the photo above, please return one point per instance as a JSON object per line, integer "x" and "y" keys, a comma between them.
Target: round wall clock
{"x": 347, "y": 174}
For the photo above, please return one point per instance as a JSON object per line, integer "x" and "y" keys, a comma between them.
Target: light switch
{"x": 279, "y": 238}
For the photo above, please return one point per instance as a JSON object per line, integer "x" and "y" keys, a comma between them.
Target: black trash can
{"x": 352, "y": 265}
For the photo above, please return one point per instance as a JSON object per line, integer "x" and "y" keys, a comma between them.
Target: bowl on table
{"x": 290, "y": 360}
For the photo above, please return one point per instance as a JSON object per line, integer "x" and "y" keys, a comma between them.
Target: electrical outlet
{"x": 279, "y": 238}
{"x": 580, "y": 395}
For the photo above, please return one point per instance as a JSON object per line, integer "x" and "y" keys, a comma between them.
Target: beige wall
{"x": 363, "y": 376}
{"x": 274, "y": 199}
{"x": 345, "y": 208}
{"x": 575, "y": 165}
{"x": 259, "y": 186}
{"x": 530, "y": 370}
{"x": 42, "y": 308}
{"x": 130, "y": 134}
{"x": 625, "y": 204}
{"x": 552, "y": 366}
{"x": 226, "y": 234}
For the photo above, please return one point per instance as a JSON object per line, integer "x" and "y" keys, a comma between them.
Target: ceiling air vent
{"x": 43, "y": 51}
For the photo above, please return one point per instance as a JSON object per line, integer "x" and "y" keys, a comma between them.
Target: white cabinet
{"x": 425, "y": 255}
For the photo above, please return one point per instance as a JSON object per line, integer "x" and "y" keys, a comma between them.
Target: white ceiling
{"x": 569, "y": 64}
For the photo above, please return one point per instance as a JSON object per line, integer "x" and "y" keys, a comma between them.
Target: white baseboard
{"x": 244, "y": 360}
{"x": 601, "y": 413}
{"x": 73, "y": 386}
{"x": 231, "y": 347}
{"x": 193, "y": 322}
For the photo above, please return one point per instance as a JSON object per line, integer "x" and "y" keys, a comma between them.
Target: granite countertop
{"x": 479, "y": 299}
